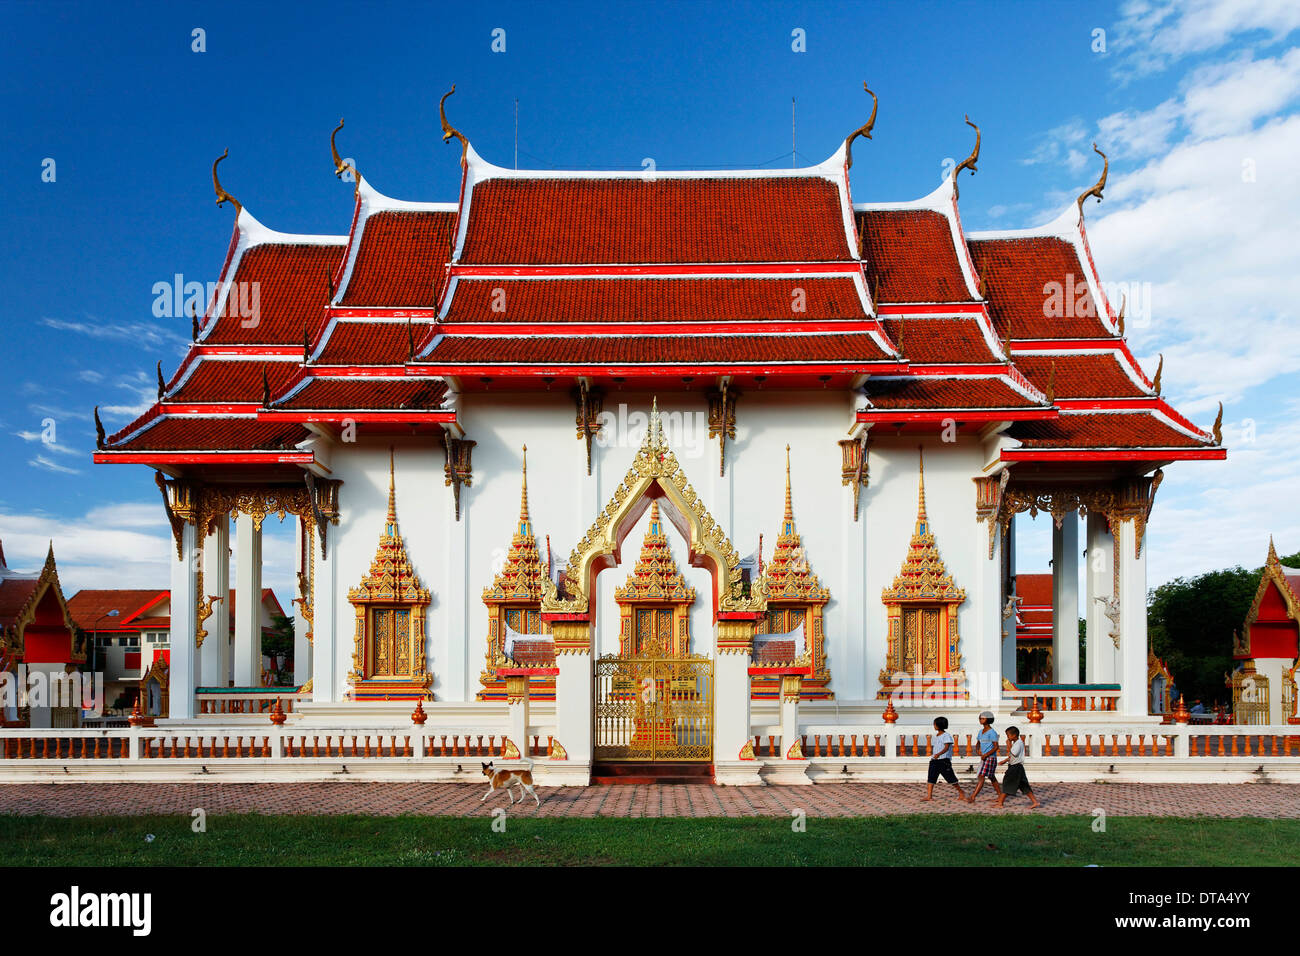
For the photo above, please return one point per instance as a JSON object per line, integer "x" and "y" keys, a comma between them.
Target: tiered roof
{"x": 771, "y": 277}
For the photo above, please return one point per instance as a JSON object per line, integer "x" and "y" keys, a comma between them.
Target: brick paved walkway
{"x": 458, "y": 799}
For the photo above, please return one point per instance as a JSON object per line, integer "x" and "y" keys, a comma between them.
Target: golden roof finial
{"x": 1051, "y": 384}
{"x": 969, "y": 161}
{"x": 1160, "y": 370}
{"x": 222, "y": 195}
{"x": 448, "y": 131}
{"x": 392, "y": 493}
{"x": 920, "y": 495}
{"x": 523, "y": 494}
{"x": 1119, "y": 319}
{"x": 1272, "y": 552}
{"x": 656, "y": 427}
{"x": 864, "y": 130}
{"x": 789, "y": 507}
{"x": 1101, "y": 183}
{"x": 1218, "y": 426}
{"x": 341, "y": 167}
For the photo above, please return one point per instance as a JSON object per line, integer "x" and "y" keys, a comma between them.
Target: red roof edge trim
{"x": 963, "y": 250}
{"x": 616, "y": 329}
{"x": 335, "y": 416}
{"x": 959, "y": 414}
{"x": 151, "y": 417}
{"x": 771, "y": 368}
{"x": 1115, "y": 454}
{"x": 152, "y": 602}
{"x": 207, "y": 409}
{"x": 955, "y": 310}
{"x": 204, "y": 458}
{"x": 344, "y": 268}
{"x": 721, "y": 270}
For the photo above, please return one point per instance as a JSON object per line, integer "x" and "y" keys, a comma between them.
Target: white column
{"x": 980, "y": 626}
{"x": 330, "y": 659}
{"x": 302, "y": 648}
{"x": 518, "y": 707}
{"x": 248, "y": 603}
{"x": 789, "y": 715}
{"x": 214, "y": 663}
{"x": 1100, "y": 580}
{"x": 1133, "y": 622}
{"x": 1065, "y": 600}
{"x": 455, "y": 676}
{"x": 184, "y": 614}
{"x": 850, "y": 676}
{"x": 731, "y": 706}
{"x": 573, "y": 690}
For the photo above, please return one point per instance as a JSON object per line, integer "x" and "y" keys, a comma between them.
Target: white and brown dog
{"x": 505, "y": 779}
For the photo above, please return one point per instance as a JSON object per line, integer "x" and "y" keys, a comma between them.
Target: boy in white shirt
{"x": 1014, "y": 779}
{"x": 942, "y": 753}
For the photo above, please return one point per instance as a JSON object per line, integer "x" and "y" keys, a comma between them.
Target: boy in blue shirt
{"x": 988, "y": 744}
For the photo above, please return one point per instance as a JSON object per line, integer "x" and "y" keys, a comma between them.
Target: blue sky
{"x": 1184, "y": 97}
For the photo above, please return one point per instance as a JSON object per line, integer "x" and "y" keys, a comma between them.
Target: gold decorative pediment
{"x": 655, "y": 473}
{"x": 923, "y": 576}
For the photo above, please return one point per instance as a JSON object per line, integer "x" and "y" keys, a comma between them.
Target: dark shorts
{"x": 989, "y": 766}
{"x": 940, "y": 768}
{"x": 1015, "y": 780}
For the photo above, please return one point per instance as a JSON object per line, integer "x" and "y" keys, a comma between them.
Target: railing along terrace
{"x": 1165, "y": 740}
{"x": 275, "y": 743}
{"x": 246, "y": 700}
{"x": 1067, "y": 697}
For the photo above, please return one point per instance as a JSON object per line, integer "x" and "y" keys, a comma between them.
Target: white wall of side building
{"x": 855, "y": 560}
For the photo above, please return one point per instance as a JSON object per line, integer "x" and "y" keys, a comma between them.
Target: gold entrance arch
{"x": 655, "y": 475}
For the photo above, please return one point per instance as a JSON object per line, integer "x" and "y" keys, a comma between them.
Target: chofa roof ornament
{"x": 448, "y": 131}
{"x": 340, "y": 167}
{"x": 222, "y": 195}
{"x": 1101, "y": 183}
{"x": 863, "y": 130}
{"x": 970, "y": 161}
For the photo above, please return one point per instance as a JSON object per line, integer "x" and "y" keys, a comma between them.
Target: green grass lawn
{"x": 252, "y": 840}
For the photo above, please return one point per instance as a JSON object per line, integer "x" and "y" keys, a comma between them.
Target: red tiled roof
{"x": 654, "y": 300}
{"x": 909, "y": 256}
{"x": 1079, "y": 376}
{"x": 651, "y": 349}
{"x": 401, "y": 259}
{"x": 929, "y": 393}
{"x": 1034, "y": 589}
{"x": 386, "y": 393}
{"x": 195, "y": 433}
{"x": 91, "y": 609}
{"x": 371, "y": 343}
{"x": 1102, "y": 430}
{"x": 1015, "y": 272}
{"x": 534, "y": 653}
{"x": 237, "y": 380}
{"x": 14, "y": 595}
{"x": 774, "y": 652}
{"x": 663, "y": 220}
{"x": 292, "y": 283}
{"x": 927, "y": 340}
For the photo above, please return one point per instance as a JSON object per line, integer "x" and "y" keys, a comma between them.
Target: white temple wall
{"x": 456, "y": 561}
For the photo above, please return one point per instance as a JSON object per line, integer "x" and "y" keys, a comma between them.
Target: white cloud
{"x": 55, "y": 446}
{"x": 40, "y": 461}
{"x": 141, "y": 333}
{"x": 90, "y": 375}
{"x": 1057, "y": 145}
{"x": 128, "y": 545}
{"x": 1153, "y": 34}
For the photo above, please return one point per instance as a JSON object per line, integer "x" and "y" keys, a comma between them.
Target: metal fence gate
{"x": 654, "y": 708}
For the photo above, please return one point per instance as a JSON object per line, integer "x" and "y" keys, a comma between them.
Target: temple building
{"x": 40, "y": 648}
{"x": 697, "y": 362}
{"x": 1267, "y": 648}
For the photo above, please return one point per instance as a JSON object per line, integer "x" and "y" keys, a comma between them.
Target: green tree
{"x": 278, "y": 645}
{"x": 1190, "y": 623}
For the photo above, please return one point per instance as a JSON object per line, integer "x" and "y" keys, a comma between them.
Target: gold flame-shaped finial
{"x": 1160, "y": 370}
{"x": 1218, "y": 426}
{"x": 1272, "y": 552}
{"x": 789, "y": 507}
{"x": 1100, "y": 184}
{"x": 340, "y": 167}
{"x": 523, "y": 494}
{"x": 392, "y": 493}
{"x": 920, "y": 494}
{"x": 448, "y": 131}
{"x": 970, "y": 161}
{"x": 864, "y": 130}
{"x": 222, "y": 195}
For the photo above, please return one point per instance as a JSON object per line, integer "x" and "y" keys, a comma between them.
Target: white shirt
{"x": 1016, "y": 752}
{"x": 939, "y": 742}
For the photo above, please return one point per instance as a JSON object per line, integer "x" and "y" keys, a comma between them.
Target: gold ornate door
{"x": 654, "y": 708}
{"x": 654, "y": 629}
{"x": 921, "y": 640}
